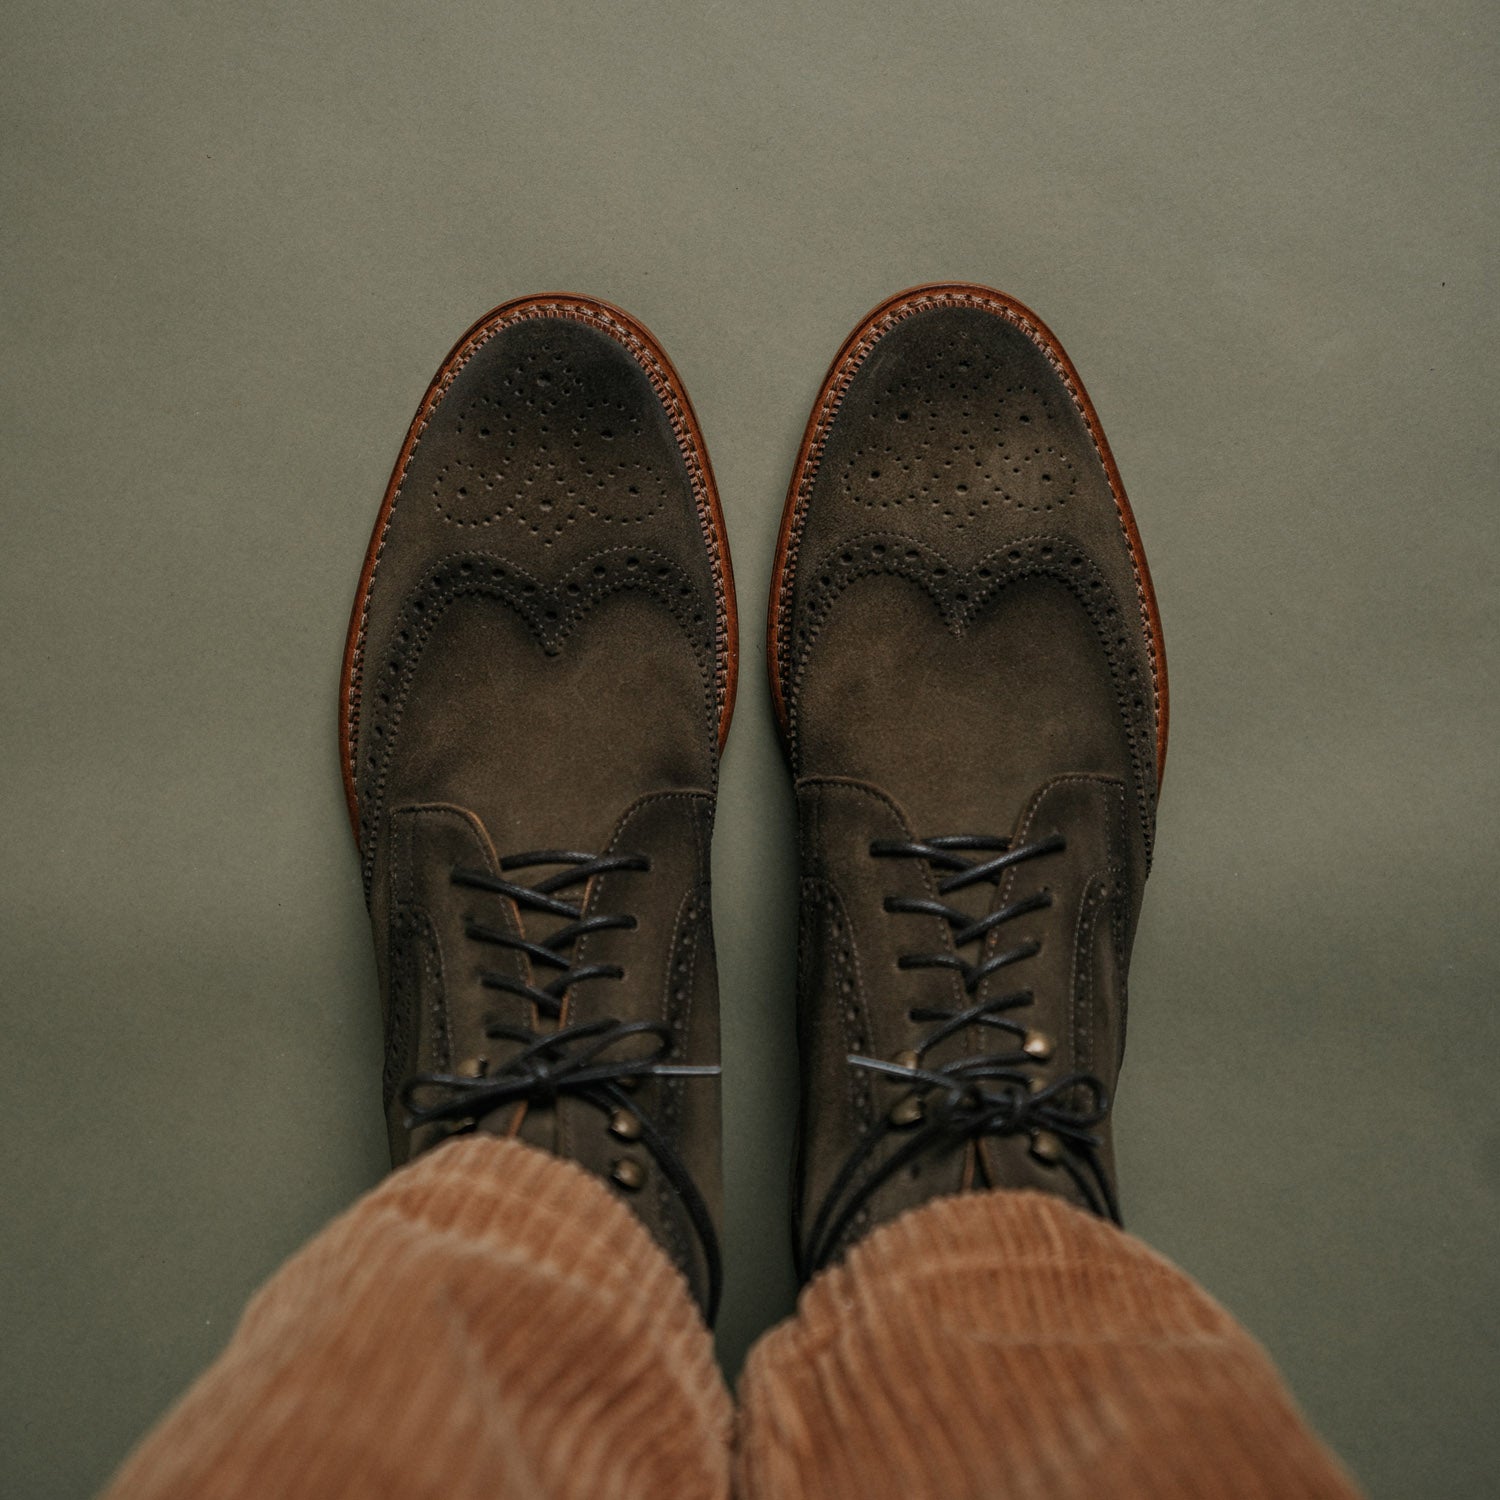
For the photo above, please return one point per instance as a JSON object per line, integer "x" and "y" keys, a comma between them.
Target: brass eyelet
{"x": 1046, "y": 1147}
{"x": 628, "y": 1174}
{"x": 906, "y": 1111}
{"x": 1038, "y": 1045}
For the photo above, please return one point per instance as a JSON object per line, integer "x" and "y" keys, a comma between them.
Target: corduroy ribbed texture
{"x": 1007, "y": 1345}
{"x": 493, "y": 1322}
{"x": 490, "y": 1322}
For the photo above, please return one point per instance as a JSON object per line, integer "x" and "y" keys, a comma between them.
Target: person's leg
{"x": 971, "y": 685}
{"x": 537, "y": 682}
{"x": 490, "y": 1322}
{"x": 1008, "y": 1345}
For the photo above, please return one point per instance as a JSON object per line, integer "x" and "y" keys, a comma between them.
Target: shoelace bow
{"x": 587, "y": 1060}
{"x": 980, "y": 1094}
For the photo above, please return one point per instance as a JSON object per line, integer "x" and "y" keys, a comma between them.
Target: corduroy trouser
{"x": 492, "y": 1323}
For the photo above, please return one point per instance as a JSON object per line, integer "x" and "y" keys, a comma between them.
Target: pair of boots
{"x": 967, "y": 667}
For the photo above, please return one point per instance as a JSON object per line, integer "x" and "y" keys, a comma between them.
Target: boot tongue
{"x": 984, "y": 896}
{"x": 538, "y": 925}
{"x": 1049, "y": 810}
{"x": 976, "y": 900}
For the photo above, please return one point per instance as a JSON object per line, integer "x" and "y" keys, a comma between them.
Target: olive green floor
{"x": 236, "y": 242}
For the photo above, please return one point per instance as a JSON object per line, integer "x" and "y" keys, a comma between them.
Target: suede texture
{"x": 539, "y": 667}
{"x": 965, "y": 648}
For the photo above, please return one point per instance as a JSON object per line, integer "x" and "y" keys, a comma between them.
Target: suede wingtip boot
{"x": 537, "y": 684}
{"x": 967, "y": 666}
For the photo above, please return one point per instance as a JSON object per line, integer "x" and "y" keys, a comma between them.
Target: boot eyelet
{"x": 1046, "y": 1147}
{"x": 906, "y": 1112}
{"x": 628, "y": 1174}
{"x": 1038, "y": 1045}
{"x": 624, "y": 1126}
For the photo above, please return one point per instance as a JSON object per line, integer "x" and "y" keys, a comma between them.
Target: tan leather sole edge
{"x": 853, "y": 353}
{"x": 643, "y": 347}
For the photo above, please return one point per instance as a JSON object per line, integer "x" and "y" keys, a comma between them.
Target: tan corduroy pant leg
{"x": 1006, "y": 1345}
{"x": 493, "y": 1322}
{"x": 489, "y": 1322}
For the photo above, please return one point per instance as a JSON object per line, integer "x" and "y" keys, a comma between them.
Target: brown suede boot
{"x": 538, "y": 682}
{"x": 967, "y": 664}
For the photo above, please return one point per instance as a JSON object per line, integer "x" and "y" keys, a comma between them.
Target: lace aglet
{"x": 880, "y": 1065}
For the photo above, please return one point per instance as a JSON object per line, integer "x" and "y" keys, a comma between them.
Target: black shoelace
{"x": 993, "y": 1093}
{"x": 598, "y": 1062}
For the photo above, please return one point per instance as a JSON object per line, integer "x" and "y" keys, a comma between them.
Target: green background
{"x": 237, "y": 240}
